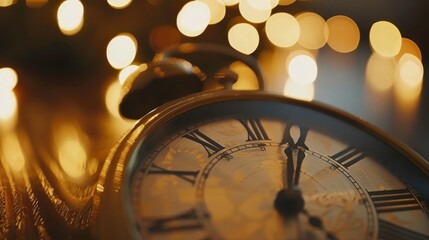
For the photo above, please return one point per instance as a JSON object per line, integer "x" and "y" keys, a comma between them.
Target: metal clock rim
{"x": 122, "y": 153}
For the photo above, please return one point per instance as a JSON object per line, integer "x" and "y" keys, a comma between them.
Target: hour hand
{"x": 293, "y": 155}
{"x": 289, "y": 200}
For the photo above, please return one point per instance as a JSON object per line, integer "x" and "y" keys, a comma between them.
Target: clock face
{"x": 253, "y": 165}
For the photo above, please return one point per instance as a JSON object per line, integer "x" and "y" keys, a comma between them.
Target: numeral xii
{"x": 254, "y": 128}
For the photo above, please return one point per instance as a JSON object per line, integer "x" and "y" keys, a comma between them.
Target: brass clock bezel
{"x": 111, "y": 213}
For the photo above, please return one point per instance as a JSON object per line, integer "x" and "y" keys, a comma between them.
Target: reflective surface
{"x": 55, "y": 128}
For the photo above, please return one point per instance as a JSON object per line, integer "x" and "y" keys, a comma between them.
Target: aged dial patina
{"x": 240, "y": 165}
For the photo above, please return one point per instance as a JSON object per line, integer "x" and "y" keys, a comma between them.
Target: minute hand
{"x": 295, "y": 155}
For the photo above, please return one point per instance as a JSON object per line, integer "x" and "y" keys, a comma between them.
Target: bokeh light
{"x": 217, "y": 10}
{"x": 70, "y": 16}
{"x": 119, "y": 4}
{"x": 409, "y": 46}
{"x": 385, "y": 38}
{"x": 193, "y": 18}
{"x": 125, "y": 72}
{"x": 71, "y": 151}
{"x": 408, "y": 95}
{"x": 6, "y": 3}
{"x": 229, "y": 2}
{"x": 121, "y": 50}
{"x": 243, "y": 37}
{"x": 8, "y": 79}
{"x": 247, "y": 79}
{"x": 314, "y": 30}
{"x": 299, "y": 91}
{"x": 12, "y": 151}
{"x": 112, "y": 97}
{"x": 274, "y": 3}
{"x": 344, "y": 34}
{"x": 410, "y": 70}
{"x": 8, "y": 105}
{"x": 255, "y": 11}
{"x": 302, "y": 68}
{"x": 286, "y": 2}
{"x": 282, "y": 29}
{"x": 380, "y": 72}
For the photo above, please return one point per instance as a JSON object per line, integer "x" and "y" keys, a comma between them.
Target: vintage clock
{"x": 227, "y": 164}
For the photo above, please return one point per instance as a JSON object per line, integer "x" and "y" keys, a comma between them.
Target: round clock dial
{"x": 240, "y": 165}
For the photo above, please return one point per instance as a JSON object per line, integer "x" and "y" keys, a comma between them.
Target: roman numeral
{"x": 211, "y": 146}
{"x": 348, "y": 157}
{"x": 185, "y": 221}
{"x": 189, "y": 176}
{"x": 392, "y": 231}
{"x": 254, "y": 128}
{"x": 394, "y": 200}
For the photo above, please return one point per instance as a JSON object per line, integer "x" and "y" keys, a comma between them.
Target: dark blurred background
{"x": 56, "y": 69}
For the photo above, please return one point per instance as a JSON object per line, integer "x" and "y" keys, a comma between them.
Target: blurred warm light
{"x": 6, "y": 3}
{"x": 193, "y": 18}
{"x": 344, "y": 34}
{"x": 163, "y": 37}
{"x": 71, "y": 152}
{"x": 409, "y": 46}
{"x": 255, "y": 11}
{"x": 274, "y": 3}
{"x": 229, "y": 2}
{"x": 8, "y": 79}
{"x": 217, "y": 10}
{"x": 286, "y": 2}
{"x": 380, "y": 72}
{"x": 112, "y": 97}
{"x": 385, "y": 38}
{"x": 407, "y": 88}
{"x": 407, "y": 94}
{"x": 70, "y": 17}
{"x": 36, "y": 3}
{"x": 243, "y": 37}
{"x": 314, "y": 30}
{"x": 282, "y": 29}
{"x": 8, "y": 105}
{"x": 125, "y": 72}
{"x": 12, "y": 151}
{"x": 247, "y": 79}
{"x": 119, "y": 4}
{"x": 299, "y": 91}
{"x": 121, "y": 50}
{"x": 410, "y": 70}
{"x": 302, "y": 69}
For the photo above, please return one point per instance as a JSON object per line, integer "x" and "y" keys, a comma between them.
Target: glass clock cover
{"x": 240, "y": 165}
